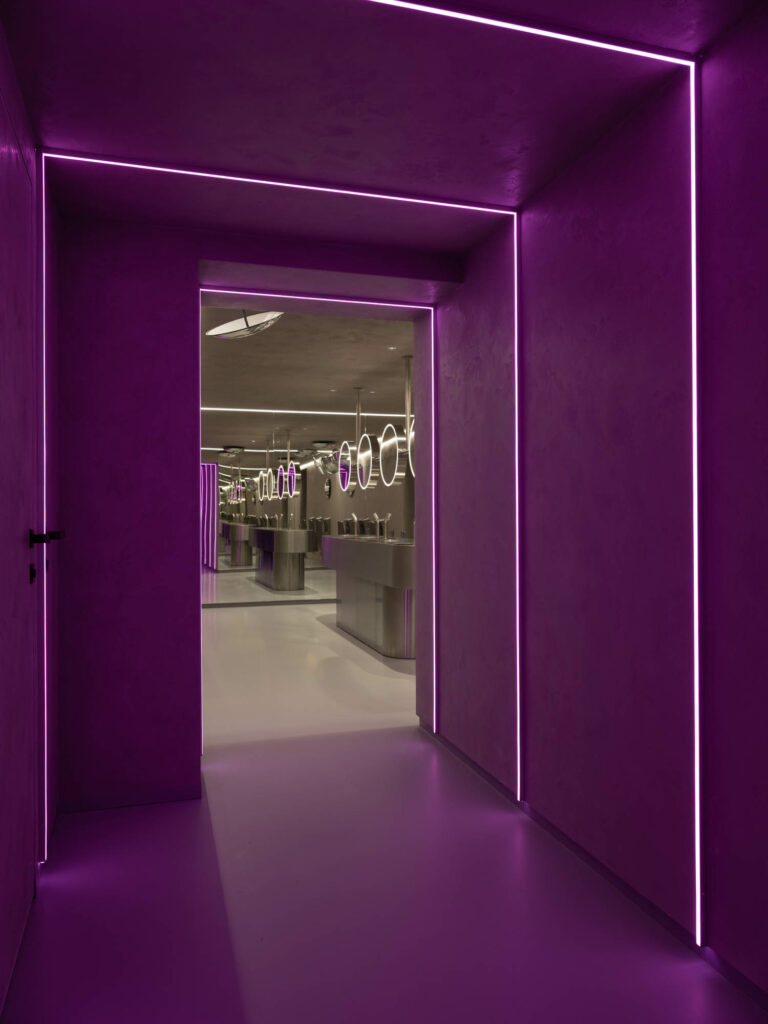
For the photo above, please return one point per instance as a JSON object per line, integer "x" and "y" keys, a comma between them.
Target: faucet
{"x": 354, "y": 519}
{"x": 386, "y": 523}
{"x": 376, "y": 521}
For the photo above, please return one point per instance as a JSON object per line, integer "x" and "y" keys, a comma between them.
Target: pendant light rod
{"x": 357, "y": 419}
{"x": 408, "y": 392}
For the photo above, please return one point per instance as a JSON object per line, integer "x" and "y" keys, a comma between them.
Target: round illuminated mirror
{"x": 262, "y": 485}
{"x": 294, "y": 480}
{"x": 411, "y": 459}
{"x": 345, "y": 467}
{"x": 280, "y": 482}
{"x": 270, "y": 485}
{"x": 367, "y": 464}
{"x": 392, "y": 446}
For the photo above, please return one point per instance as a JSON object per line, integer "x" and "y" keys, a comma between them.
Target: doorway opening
{"x": 308, "y": 516}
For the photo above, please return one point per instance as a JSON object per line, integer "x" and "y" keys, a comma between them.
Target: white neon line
{"x": 200, "y": 439}
{"x": 319, "y": 298}
{"x": 529, "y": 30}
{"x": 297, "y": 412}
{"x": 518, "y": 683}
{"x": 275, "y": 183}
{"x": 433, "y": 373}
{"x": 320, "y": 451}
{"x": 695, "y": 503}
{"x": 44, "y": 439}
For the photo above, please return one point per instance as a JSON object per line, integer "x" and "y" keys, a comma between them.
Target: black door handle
{"x": 43, "y": 538}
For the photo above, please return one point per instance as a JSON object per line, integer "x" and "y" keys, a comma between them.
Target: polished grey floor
{"x": 341, "y": 867}
{"x": 281, "y": 671}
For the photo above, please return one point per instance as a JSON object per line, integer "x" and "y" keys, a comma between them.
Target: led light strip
{"x": 530, "y": 30}
{"x": 296, "y": 186}
{"x": 44, "y": 446}
{"x": 262, "y": 451}
{"x": 695, "y": 500}
{"x": 298, "y": 412}
{"x": 680, "y": 61}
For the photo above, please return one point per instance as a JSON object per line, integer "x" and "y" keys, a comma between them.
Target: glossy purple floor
{"x": 363, "y": 875}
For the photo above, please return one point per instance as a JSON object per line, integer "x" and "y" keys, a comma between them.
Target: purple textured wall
{"x": 734, "y": 442}
{"x": 129, "y": 588}
{"x": 19, "y": 721}
{"x": 606, "y": 556}
{"x": 129, "y": 599}
{"x": 476, "y": 600}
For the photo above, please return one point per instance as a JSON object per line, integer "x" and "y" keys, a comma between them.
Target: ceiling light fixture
{"x": 244, "y": 326}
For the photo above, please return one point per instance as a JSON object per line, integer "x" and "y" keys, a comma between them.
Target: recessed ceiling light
{"x": 371, "y": 392}
{"x": 392, "y": 347}
{"x": 332, "y": 389}
{"x": 245, "y": 326}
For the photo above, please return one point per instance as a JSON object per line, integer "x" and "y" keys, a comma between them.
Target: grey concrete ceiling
{"x": 295, "y": 365}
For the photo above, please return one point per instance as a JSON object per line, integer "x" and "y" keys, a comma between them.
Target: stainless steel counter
{"x": 375, "y": 580}
{"x": 281, "y": 562}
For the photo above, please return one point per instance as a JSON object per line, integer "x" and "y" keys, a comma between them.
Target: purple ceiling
{"x": 339, "y": 91}
{"x": 125, "y": 193}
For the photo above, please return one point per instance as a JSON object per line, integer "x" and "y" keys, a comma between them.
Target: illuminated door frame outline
{"x": 691, "y": 64}
{"x": 56, "y": 155}
{"x": 470, "y": 207}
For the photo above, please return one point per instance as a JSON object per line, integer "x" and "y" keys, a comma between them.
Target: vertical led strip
{"x": 695, "y": 502}
{"x": 433, "y": 417}
{"x": 680, "y": 61}
{"x": 518, "y": 681}
{"x": 44, "y": 468}
{"x": 433, "y": 398}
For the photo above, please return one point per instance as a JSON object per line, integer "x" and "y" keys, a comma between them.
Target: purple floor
{"x": 367, "y": 876}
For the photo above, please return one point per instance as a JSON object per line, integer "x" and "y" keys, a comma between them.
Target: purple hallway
{"x": 357, "y": 874}
{"x": 382, "y": 520}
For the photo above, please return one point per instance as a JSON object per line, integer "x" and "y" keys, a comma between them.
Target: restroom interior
{"x": 584, "y": 718}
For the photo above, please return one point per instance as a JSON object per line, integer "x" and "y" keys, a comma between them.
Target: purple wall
{"x": 734, "y": 443}
{"x": 129, "y": 587}
{"x": 128, "y": 421}
{"x": 476, "y": 601}
{"x": 19, "y": 707}
{"x": 606, "y": 556}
